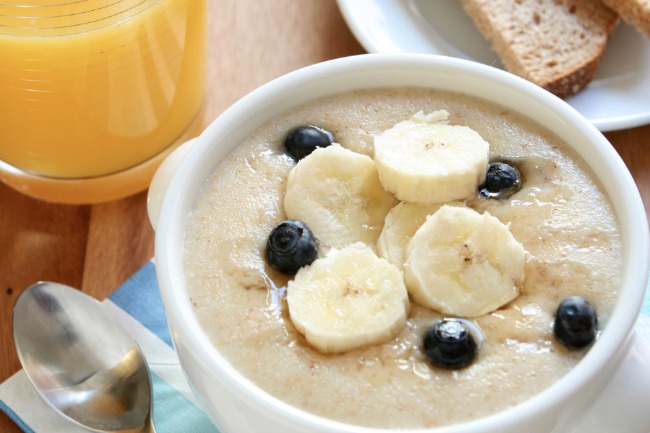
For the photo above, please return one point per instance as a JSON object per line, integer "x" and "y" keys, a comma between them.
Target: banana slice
{"x": 348, "y": 299}
{"x": 425, "y": 160}
{"x": 337, "y": 193}
{"x": 399, "y": 227}
{"x": 463, "y": 263}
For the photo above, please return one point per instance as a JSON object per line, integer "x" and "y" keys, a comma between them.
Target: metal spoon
{"x": 82, "y": 362}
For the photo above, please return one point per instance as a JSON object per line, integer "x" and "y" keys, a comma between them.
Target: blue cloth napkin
{"x": 138, "y": 306}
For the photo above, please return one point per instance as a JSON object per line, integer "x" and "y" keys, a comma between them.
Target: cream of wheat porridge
{"x": 560, "y": 215}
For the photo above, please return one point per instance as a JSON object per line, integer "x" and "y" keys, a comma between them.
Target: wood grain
{"x": 96, "y": 248}
{"x": 633, "y": 145}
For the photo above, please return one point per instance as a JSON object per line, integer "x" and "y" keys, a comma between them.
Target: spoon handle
{"x": 149, "y": 427}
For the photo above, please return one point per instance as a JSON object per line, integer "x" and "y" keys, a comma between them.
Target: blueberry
{"x": 501, "y": 181}
{"x": 575, "y": 322}
{"x": 291, "y": 245}
{"x": 303, "y": 140}
{"x": 450, "y": 343}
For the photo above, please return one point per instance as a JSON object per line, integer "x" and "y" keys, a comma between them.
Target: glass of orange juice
{"x": 95, "y": 93}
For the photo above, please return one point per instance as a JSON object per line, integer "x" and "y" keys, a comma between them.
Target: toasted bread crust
{"x": 556, "y": 44}
{"x": 636, "y": 12}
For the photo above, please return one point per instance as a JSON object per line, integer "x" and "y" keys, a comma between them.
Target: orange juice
{"x": 91, "y": 88}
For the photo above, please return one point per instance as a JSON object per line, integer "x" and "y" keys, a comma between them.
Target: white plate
{"x": 617, "y": 98}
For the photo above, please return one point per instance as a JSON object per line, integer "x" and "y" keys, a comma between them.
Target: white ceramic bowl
{"x": 236, "y": 405}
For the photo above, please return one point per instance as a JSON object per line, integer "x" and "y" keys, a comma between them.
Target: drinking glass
{"x": 95, "y": 93}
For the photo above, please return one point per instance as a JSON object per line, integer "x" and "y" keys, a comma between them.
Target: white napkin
{"x": 138, "y": 306}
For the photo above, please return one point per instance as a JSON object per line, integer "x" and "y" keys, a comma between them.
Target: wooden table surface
{"x": 96, "y": 248}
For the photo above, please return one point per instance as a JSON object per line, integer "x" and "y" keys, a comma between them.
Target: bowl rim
{"x": 298, "y": 87}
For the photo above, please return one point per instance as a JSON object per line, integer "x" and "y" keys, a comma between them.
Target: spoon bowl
{"x": 81, "y": 361}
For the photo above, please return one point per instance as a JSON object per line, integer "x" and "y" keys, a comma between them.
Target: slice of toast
{"x": 556, "y": 44}
{"x": 636, "y": 12}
